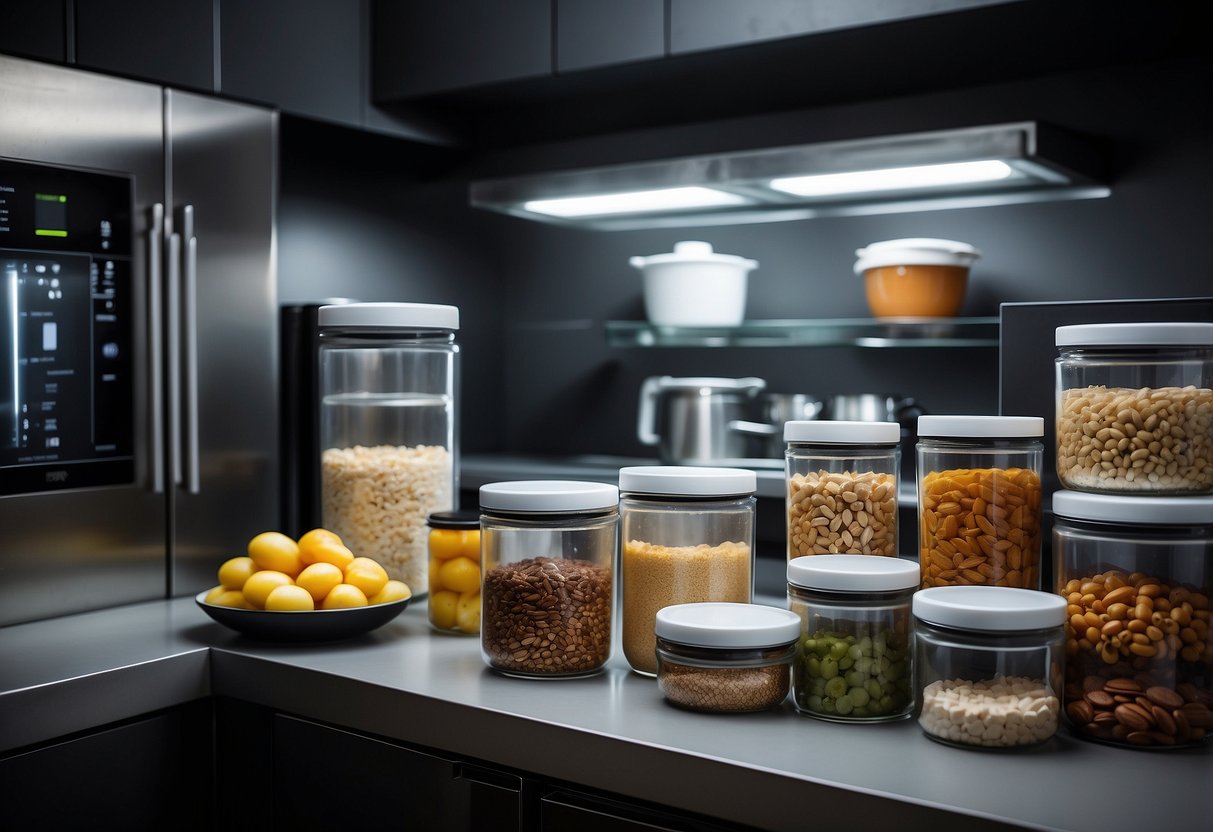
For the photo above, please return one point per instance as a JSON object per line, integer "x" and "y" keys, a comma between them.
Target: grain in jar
{"x": 688, "y": 536}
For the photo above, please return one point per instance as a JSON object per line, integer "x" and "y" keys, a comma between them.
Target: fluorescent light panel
{"x": 894, "y": 179}
{"x": 633, "y": 202}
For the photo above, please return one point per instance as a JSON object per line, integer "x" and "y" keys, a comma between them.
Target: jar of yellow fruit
{"x": 454, "y": 573}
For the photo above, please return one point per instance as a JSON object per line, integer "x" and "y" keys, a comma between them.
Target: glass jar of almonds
{"x": 842, "y": 487}
{"x": 1137, "y": 576}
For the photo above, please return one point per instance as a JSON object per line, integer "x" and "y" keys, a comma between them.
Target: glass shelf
{"x": 825, "y": 332}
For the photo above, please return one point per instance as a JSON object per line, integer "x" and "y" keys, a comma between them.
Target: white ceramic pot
{"x": 694, "y": 286}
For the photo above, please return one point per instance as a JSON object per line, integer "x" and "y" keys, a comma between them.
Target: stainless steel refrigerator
{"x": 138, "y": 316}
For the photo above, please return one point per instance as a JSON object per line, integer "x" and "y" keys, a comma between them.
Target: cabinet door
{"x": 33, "y": 29}
{"x": 590, "y": 33}
{"x": 170, "y": 43}
{"x": 567, "y": 811}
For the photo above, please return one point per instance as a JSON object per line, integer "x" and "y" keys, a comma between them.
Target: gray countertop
{"x": 774, "y": 770}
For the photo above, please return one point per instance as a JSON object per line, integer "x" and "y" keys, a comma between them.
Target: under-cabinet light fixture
{"x": 976, "y": 166}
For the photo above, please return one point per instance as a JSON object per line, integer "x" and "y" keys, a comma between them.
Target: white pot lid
{"x": 687, "y": 481}
{"x": 982, "y": 427}
{"x": 853, "y": 573}
{"x": 1134, "y": 510}
{"x": 1136, "y": 334}
{"x": 389, "y": 315}
{"x": 915, "y": 251}
{"x": 693, "y": 251}
{"x": 548, "y": 496}
{"x": 842, "y": 432}
{"x": 731, "y": 626}
{"x": 989, "y": 608}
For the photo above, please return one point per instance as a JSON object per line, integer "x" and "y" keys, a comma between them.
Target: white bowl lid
{"x": 719, "y": 624}
{"x": 853, "y": 573}
{"x": 982, "y": 427}
{"x": 687, "y": 481}
{"x": 1137, "y": 334}
{"x": 404, "y": 315}
{"x": 916, "y": 251}
{"x": 548, "y": 495}
{"x": 989, "y": 608}
{"x": 693, "y": 251}
{"x": 1126, "y": 509}
{"x": 841, "y": 432}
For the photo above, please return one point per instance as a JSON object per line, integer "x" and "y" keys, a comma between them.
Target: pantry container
{"x": 841, "y": 480}
{"x": 388, "y": 433}
{"x": 988, "y": 665}
{"x": 454, "y": 571}
{"x": 547, "y": 558}
{"x": 854, "y": 657}
{"x": 1135, "y": 407}
{"x": 688, "y": 536}
{"x": 979, "y": 500}
{"x": 1137, "y": 574}
{"x": 725, "y": 658}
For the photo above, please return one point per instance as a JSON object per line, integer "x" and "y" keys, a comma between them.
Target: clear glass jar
{"x": 725, "y": 658}
{"x": 1135, "y": 407}
{"x": 1137, "y": 576}
{"x": 842, "y": 487}
{"x": 388, "y": 438}
{"x": 988, "y": 665}
{"x": 547, "y": 559}
{"x": 454, "y": 571}
{"x": 854, "y": 657}
{"x": 979, "y": 500}
{"x": 687, "y": 535}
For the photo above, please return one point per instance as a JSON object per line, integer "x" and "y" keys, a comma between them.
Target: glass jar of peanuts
{"x": 842, "y": 487}
{"x": 979, "y": 500}
{"x": 688, "y": 536}
{"x": 454, "y": 571}
{"x": 547, "y": 588}
{"x": 853, "y": 660}
{"x": 1135, "y": 407}
{"x": 388, "y": 378}
{"x": 988, "y": 664}
{"x": 1137, "y": 575}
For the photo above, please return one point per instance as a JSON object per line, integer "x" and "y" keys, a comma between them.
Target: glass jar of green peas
{"x": 853, "y": 659}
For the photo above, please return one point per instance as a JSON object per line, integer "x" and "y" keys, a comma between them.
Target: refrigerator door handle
{"x": 189, "y": 340}
{"x": 173, "y": 341}
{"x": 155, "y": 305}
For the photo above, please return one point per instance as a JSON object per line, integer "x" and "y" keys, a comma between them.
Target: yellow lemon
{"x": 442, "y": 609}
{"x": 366, "y": 574}
{"x": 287, "y": 597}
{"x": 214, "y": 592}
{"x": 328, "y": 551}
{"x": 342, "y": 597}
{"x": 319, "y": 579}
{"x": 260, "y": 584}
{"x": 314, "y": 540}
{"x": 392, "y": 591}
{"x": 432, "y": 575}
{"x": 233, "y": 598}
{"x": 467, "y": 612}
{"x": 460, "y": 575}
{"x": 276, "y": 551}
{"x": 235, "y": 571}
{"x": 451, "y": 543}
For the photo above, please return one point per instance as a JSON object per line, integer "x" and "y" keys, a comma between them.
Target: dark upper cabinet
{"x": 591, "y": 33}
{"x": 33, "y": 29}
{"x": 169, "y": 43}
{"x": 428, "y": 46}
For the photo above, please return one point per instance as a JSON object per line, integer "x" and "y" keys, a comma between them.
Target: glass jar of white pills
{"x": 988, "y": 665}
{"x": 1135, "y": 407}
{"x": 854, "y": 658}
{"x": 842, "y": 487}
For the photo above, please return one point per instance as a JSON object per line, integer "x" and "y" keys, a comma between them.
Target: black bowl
{"x": 314, "y": 625}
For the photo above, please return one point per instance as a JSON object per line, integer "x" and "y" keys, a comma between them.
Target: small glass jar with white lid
{"x": 989, "y": 664}
{"x": 854, "y": 659}
{"x": 1135, "y": 407}
{"x": 547, "y": 576}
{"x": 725, "y": 658}
{"x": 842, "y": 487}
{"x": 687, "y": 536}
{"x": 1137, "y": 574}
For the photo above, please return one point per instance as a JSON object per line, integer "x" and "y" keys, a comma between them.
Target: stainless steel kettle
{"x": 695, "y": 415}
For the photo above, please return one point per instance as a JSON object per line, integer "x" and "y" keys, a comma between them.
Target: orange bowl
{"x": 915, "y": 291}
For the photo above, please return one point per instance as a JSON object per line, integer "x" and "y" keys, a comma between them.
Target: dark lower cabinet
{"x": 564, "y": 810}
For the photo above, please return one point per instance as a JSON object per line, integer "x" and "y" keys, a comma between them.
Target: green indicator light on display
{"x": 49, "y": 232}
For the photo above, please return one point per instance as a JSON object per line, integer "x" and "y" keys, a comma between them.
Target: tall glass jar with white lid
{"x": 1135, "y": 407}
{"x": 687, "y": 536}
{"x": 389, "y": 376}
{"x": 979, "y": 500}
{"x": 842, "y": 487}
{"x": 1137, "y": 574}
{"x": 547, "y": 576}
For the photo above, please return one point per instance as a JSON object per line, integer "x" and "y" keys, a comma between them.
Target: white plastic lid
{"x": 916, "y": 251}
{"x": 1108, "y": 508}
{"x": 1137, "y": 334}
{"x": 687, "y": 481}
{"x": 982, "y": 427}
{"x": 403, "y": 315}
{"x": 989, "y": 608}
{"x": 548, "y": 495}
{"x": 693, "y": 251}
{"x": 842, "y": 432}
{"x": 719, "y": 624}
{"x": 853, "y": 573}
